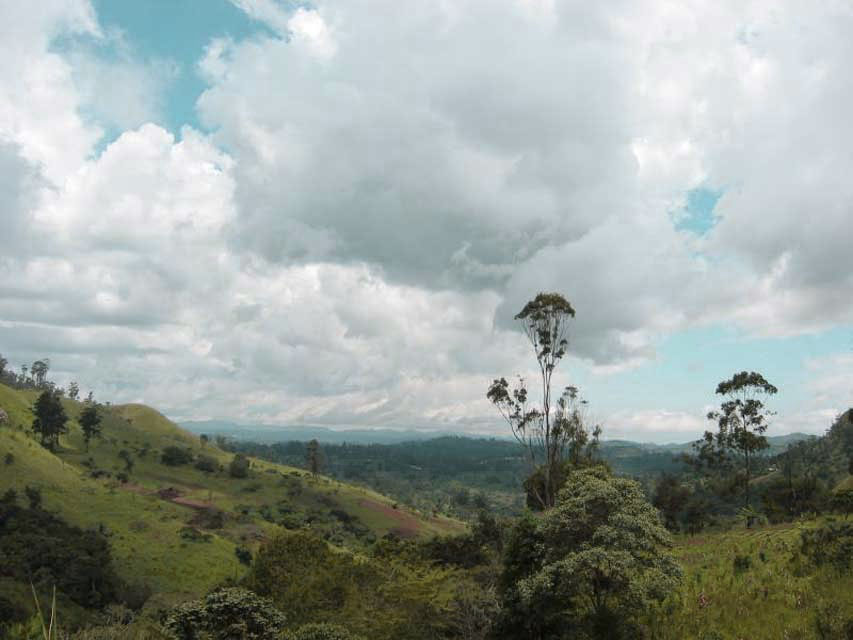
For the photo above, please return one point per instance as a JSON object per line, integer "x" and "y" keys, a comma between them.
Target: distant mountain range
{"x": 777, "y": 445}
{"x": 302, "y": 433}
{"x": 270, "y": 434}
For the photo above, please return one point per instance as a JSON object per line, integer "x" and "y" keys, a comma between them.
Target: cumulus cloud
{"x": 20, "y": 183}
{"x": 383, "y": 185}
{"x": 38, "y": 100}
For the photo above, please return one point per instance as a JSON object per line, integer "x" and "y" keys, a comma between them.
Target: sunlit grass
{"x": 772, "y": 595}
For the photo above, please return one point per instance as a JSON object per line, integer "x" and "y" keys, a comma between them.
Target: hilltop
{"x": 175, "y": 529}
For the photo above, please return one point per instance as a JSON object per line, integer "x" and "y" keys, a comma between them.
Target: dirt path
{"x": 189, "y": 502}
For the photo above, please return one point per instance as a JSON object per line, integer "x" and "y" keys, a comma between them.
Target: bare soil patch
{"x": 407, "y": 525}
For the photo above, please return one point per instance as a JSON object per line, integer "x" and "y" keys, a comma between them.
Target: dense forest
{"x": 115, "y": 523}
{"x": 461, "y": 475}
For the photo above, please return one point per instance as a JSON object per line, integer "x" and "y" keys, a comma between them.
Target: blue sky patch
{"x": 177, "y": 31}
{"x": 698, "y": 215}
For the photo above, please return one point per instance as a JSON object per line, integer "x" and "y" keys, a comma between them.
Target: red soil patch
{"x": 189, "y": 502}
{"x": 169, "y": 493}
{"x": 408, "y": 525}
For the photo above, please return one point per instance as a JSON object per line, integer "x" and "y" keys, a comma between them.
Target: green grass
{"x": 144, "y": 530}
{"x": 776, "y": 597}
{"x": 845, "y": 485}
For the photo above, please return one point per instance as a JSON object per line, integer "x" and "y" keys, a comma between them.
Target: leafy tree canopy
{"x": 602, "y": 558}
{"x": 226, "y": 614}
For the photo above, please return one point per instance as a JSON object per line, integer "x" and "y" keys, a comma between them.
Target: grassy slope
{"x": 144, "y": 529}
{"x": 772, "y": 599}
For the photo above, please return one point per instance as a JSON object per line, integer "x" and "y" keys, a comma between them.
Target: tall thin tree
{"x": 545, "y": 321}
{"x": 312, "y": 457}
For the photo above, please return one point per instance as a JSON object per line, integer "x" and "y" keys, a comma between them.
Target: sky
{"x": 328, "y": 213}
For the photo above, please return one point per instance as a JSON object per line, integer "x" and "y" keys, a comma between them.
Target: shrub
{"x": 244, "y": 555}
{"x": 320, "y": 632}
{"x": 225, "y": 614}
{"x": 741, "y": 564}
{"x": 191, "y": 534}
{"x": 33, "y": 496}
{"x": 239, "y": 467}
{"x": 11, "y": 612}
{"x": 842, "y": 502}
{"x": 831, "y": 623}
{"x": 831, "y": 544}
{"x": 209, "y": 518}
{"x": 174, "y": 456}
{"x": 206, "y": 464}
{"x": 36, "y": 545}
{"x": 462, "y": 551}
{"x": 380, "y": 598}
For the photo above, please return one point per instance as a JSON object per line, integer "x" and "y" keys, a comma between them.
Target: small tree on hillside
{"x": 50, "y": 421}
{"x": 543, "y": 433}
{"x": 741, "y": 423}
{"x": 90, "y": 423}
{"x": 173, "y": 456}
{"x": 239, "y": 466}
{"x": 671, "y": 498}
{"x": 73, "y": 390}
{"x": 842, "y": 502}
{"x": 313, "y": 458}
{"x": 3, "y": 363}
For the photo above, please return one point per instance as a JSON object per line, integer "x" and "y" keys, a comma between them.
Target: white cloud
{"x": 386, "y": 184}
{"x": 309, "y": 30}
{"x": 38, "y": 100}
{"x": 658, "y": 425}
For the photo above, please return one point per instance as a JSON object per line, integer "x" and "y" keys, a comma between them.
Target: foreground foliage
{"x": 226, "y": 614}
{"x": 591, "y": 565}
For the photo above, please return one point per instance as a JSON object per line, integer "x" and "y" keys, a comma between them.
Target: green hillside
{"x": 752, "y": 583}
{"x": 175, "y": 528}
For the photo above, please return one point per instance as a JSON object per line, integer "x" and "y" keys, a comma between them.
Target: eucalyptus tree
{"x": 741, "y": 420}
{"x": 545, "y": 429}
{"x": 39, "y": 370}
